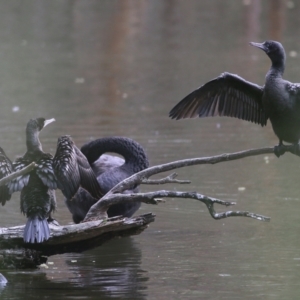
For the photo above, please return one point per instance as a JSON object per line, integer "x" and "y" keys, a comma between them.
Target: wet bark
{"x": 14, "y": 253}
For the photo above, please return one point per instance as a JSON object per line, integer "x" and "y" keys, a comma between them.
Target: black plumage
{"x": 37, "y": 187}
{"x": 231, "y": 95}
{"x": 6, "y": 168}
{"x": 73, "y": 170}
{"x": 109, "y": 170}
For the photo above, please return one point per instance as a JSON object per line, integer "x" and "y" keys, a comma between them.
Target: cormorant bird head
{"x": 39, "y": 123}
{"x": 273, "y": 49}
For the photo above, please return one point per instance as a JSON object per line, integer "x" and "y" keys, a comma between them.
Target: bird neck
{"x": 277, "y": 67}
{"x": 32, "y": 141}
{"x": 275, "y": 72}
{"x": 133, "y": 153}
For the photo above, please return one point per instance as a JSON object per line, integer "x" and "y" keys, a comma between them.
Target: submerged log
{"x": 14, "y": 253}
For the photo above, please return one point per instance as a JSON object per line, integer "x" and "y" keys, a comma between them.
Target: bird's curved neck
{"x": 277, "y": 68}
{"x": 32, "y": 141}
{"x": 132, "y": 152}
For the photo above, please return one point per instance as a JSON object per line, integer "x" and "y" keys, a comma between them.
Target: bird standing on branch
{"x": 231, "y": 95}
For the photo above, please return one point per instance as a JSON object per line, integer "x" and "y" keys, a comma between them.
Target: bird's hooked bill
{"x": 258, "y": 45}
{"x": 48, "y": 121}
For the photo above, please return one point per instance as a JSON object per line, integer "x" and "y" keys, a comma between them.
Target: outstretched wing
{"x": 18, "y": 183}
{"x": 5, "y": 169}
{"x": 227, "y": 95}
{"x": 45, "y": 171}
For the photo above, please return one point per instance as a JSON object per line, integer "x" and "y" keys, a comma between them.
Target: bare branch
{"x": 99, "y": 209}
{"x": 139, "y": 177}
{"x": 142, "y": 175}
{"x": 168, "y": 179}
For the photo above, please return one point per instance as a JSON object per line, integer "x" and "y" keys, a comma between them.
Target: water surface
{"x": 111, "y": 67}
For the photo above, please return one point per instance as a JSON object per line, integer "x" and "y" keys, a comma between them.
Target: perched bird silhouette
{"x": 232, "y": 96}
{"x": 37, "y": 187}
{"x": 6, "y": 168}
{"x": 109, "y": 170}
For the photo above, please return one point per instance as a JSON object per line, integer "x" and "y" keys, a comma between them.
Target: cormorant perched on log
{"x": 37, "y": 187}
{"x": 231, "y": 95}
{"x": 6, "y": 168}
{"x": 109, "y": 171}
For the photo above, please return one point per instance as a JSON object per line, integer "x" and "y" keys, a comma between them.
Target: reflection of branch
{"x": 16, "y": 174}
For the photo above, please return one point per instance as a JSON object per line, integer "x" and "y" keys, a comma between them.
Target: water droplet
{"x": 80, "y": 80}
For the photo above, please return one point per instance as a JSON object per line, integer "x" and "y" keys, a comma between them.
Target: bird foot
{"x": 52, "y": 221}
{"x": 279, "y": 150}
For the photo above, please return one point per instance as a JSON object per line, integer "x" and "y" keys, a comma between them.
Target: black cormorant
{"x": 37, "y": 187}
{"x": 109, "y": 170}
{"x": 231, "y": 95}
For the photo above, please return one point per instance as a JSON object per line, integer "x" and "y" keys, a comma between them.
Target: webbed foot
{"x": 52, "y": 221}
{"x": 279, "y": 149}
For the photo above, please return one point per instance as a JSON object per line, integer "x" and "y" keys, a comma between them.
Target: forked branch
{"x": 143, "y": 177}
{"x": 100, "y": 208}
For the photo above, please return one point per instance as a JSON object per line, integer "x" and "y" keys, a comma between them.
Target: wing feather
{"x": 73, "y": 170}
{"x": 227, "y": 95}
{"x": 18, "y": 183}
{"x": 6, "y": 168}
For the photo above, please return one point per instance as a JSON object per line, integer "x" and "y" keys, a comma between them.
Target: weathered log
{"x": 14, "y": 253}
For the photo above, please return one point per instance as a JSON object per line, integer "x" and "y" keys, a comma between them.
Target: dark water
{"x": 113, "y": 67}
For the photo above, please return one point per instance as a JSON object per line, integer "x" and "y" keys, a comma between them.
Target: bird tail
{"x": 36, "y": 230}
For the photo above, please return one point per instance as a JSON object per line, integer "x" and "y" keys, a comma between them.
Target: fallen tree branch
{"x": 143, "y": 175}
{"x": 99, "y": 210}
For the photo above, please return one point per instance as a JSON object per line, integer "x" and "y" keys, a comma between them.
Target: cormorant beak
{"x": 258, "y": 45}
{"x": 48, "y": 121}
